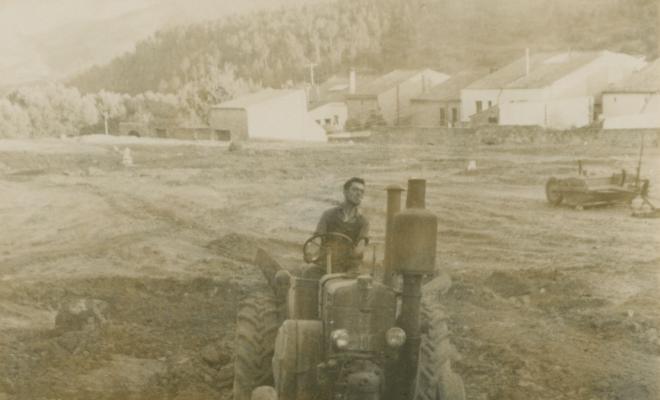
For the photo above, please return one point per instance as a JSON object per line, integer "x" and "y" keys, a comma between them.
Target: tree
{"x": 55, "y": 109}
{"x": 111, "y": 109}
{"x": 14, "y": 121}
{"x": 399, "y": 39}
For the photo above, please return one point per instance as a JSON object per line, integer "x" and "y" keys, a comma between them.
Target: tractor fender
{"x": 298, "y": 351}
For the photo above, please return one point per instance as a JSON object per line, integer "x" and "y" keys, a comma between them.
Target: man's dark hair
{"x": 354, "y": 179}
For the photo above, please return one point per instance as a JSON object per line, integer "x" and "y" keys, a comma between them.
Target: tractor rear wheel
{"x": 552, "y": 192}
{"x": 256, "y": 329}
{"x": 435, "y": 378}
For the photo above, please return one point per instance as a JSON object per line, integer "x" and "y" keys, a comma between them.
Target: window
{"x": 443, "y": 116}
{"x": 454, "y": 115}
{"x": 479, "y": 106}
{"x": 327, "y": 121}
{"x": 490, "y": 104}
{"x": 336, "y": 120}
{"x": 318, "y": 121}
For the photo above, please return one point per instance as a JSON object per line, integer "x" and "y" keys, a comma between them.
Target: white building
{"x": 635, "y": 102}
{"x": 268, "y": 114}
{"x": 388, "y": 97}
{"x": 555, "y": 90}
{"x": 485, "y": 92}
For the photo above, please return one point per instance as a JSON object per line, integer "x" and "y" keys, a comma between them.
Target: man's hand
{"x": 358, "y": 250}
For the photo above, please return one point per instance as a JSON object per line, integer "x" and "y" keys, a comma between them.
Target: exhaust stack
{"x": 393, "y": 207}
{"x": 414, "y": 243}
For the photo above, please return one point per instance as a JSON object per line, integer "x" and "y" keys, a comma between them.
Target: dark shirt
{"x": 356, "y": 228}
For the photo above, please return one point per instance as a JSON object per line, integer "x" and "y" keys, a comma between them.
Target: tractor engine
{"x": 359, "y": 316}
{"x": 345, "y": 353}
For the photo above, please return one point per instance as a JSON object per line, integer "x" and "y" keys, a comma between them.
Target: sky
{"x": 24, "y": 17}
{"x": 50, "y": 39}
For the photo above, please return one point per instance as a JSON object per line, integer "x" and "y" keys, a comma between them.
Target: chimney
{"x": 527, "y": 61}
{"x": 351, "y": 81}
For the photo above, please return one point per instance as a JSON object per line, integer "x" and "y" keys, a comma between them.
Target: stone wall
{"x": 511, "y": 135}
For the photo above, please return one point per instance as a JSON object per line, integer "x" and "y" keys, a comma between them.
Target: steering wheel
{"x": 313, "y": 247}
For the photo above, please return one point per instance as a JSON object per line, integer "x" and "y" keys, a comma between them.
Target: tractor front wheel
{"x": 435, "y": 378}
{"x": 256, "y": 329}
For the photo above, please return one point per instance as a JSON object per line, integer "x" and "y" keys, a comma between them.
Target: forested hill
{"x": 273, "y": 47}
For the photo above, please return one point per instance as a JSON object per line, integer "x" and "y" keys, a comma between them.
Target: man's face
{"x": 354, "y": 193}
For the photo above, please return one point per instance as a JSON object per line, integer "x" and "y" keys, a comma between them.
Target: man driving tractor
{"x": 346, "y": 230}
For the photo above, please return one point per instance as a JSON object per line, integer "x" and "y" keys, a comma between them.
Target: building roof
{"x": 646, "y": 80}
{"x": 509, "y": 73}
{"x": 553, "y": 68}
{"x": 386, "y": 82}
{"x": 335, "y": 88}
{"x": 255, "y": 98}
{"x": 545, "y": 68}
{"x": 450, "y": 89}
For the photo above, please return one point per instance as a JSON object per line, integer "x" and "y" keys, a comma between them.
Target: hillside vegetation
{"x": 179, "y": 73}
{"x": 274, "y": 47}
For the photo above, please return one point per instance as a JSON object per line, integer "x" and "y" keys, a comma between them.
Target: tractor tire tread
{"x": 256, "y": 328}
{"x": 435, "y": 378}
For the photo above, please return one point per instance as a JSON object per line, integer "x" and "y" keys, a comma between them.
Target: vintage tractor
{"x": 330, "y": 334}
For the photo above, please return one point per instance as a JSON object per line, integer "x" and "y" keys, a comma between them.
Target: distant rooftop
{"x": 509, "y": 73}
{"x": 545, "y": 68}
{"x": 255, "y": 98}
{"x": 335, "y": 88}
{"x": 386, "y": 82}
{"x": 451, "y": 88}
{"x": 553, "y": 69}
{"x": 646, "y": 80}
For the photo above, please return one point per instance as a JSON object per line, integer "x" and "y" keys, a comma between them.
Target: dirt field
{"x": 122, "y": 282}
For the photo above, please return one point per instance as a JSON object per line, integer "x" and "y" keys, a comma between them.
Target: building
{"x": 484, "y": 93}
{"x": 387, "y": 98}
{"x": 441, "y": 105}
{"x": 635, "y": 102}
{"x": 267, "y": 114}
{"x": 327, "y": 101}
{"x": 555, "y": 90}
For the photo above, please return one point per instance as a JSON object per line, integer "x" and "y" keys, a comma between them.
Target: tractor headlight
{"x": 395, "y": 337}
{"x": 340, "y": 338}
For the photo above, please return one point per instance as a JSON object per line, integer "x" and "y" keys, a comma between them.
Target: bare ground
{"x": 546, "y": 303}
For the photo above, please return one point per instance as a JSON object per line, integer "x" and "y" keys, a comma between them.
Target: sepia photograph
{"x": 330, "y": 200}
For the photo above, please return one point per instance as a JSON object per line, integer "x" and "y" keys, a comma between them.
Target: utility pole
{"x": 314, "y": 92}
{"x": 311, "y": 72}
